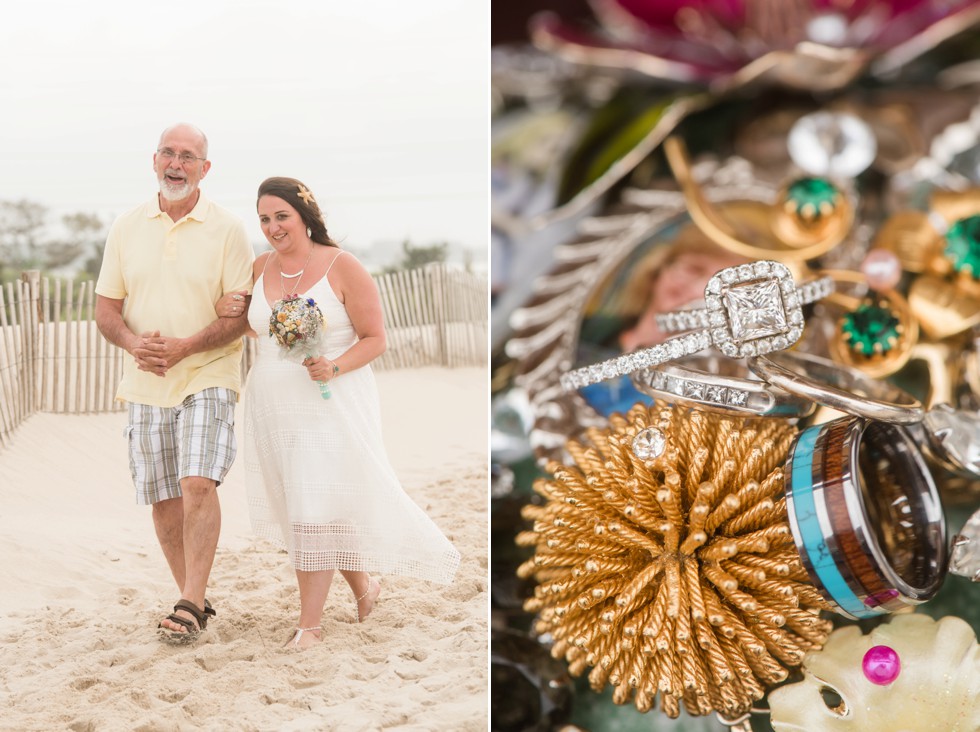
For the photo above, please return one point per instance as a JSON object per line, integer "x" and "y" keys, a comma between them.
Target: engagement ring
{"x": 750, "y": 309}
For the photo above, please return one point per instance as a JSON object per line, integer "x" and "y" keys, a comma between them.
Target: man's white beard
{"x": 176, "y": 193}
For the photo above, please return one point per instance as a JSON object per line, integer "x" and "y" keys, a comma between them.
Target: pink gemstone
{"x": 881, "y": 665}
{"x": 882, "y": 269}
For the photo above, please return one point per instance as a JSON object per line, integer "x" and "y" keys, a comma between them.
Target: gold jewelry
{"x": 665, "y": 561}
{"x": 877, "y": 355}
{"x": 942, "y": 308}
{"x": 791, "y": 238}
{"x": 283, "y": 276}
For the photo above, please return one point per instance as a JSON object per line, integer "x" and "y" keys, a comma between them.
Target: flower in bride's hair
{"x": 664, "y": 561}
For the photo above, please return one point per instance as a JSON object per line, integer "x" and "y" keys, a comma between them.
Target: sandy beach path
{"x": 84, "y": 585}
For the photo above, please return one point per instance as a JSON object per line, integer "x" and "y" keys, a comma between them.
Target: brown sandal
{"x": 193, "y": 631}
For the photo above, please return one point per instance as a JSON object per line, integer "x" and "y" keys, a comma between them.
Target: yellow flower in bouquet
{"x": 298, "y": 326}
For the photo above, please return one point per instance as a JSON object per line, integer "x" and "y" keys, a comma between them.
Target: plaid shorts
{"x": 166, "y": 444}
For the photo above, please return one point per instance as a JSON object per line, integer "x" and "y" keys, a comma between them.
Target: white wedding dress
{"x": 317, "y": 475}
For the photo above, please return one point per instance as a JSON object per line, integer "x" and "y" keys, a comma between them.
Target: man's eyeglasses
{"x": 186, "y": 158}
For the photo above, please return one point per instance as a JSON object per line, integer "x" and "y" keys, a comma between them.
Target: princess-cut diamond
{"x": 757, "y": 303}
{"x": 694, "y": 390}
{"x": 716, "y": 394}
{"x": 737, "y": 397}
{"x": 755, "y": 310}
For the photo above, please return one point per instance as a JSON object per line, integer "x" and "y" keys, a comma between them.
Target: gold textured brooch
{"x": 664, "y": 560}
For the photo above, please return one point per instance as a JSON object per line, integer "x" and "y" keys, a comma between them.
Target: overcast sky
{"x": 381, "y": 108}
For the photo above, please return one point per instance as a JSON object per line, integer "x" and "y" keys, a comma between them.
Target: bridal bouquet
{"x": 298, "y": 327}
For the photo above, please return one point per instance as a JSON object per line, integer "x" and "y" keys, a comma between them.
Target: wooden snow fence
{"x": 53, "y": 358}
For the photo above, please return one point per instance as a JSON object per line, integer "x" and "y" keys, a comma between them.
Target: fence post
{"x": 31, "y": 330}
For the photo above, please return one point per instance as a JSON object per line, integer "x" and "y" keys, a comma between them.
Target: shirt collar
{"x": 198, "y": 213}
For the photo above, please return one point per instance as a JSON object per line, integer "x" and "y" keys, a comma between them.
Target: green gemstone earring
{"x": 874, "y": 332}
{"x": 962, "y": 246}
{"x": 811, "y": 209}
{"x": 872, "y": 328}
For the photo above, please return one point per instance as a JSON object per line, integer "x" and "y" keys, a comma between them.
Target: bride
{"x": 317, "y": 475}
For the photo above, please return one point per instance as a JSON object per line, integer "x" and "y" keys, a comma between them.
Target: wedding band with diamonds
{"x": 693, "y": 381}
{"x": 669, "y": 350}
{"x": 750, "y": 309}
{"x": 838, "y": 387}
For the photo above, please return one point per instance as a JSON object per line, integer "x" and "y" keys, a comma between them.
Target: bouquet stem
{"x": 324, "y": 386}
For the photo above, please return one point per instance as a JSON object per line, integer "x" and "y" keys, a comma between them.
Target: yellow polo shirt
{"x": 171, "y": 274}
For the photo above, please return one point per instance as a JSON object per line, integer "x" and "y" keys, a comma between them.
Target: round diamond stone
{"x": 832, "y": 144}
{"x": 649, "y": 443}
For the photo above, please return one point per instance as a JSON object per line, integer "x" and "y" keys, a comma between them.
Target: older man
{"x": 166, "y": 264}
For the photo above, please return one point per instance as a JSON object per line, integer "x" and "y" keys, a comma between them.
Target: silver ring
{"x": 750, "y": 309}
{"x": 839, "y": 387}
{"x": 695, "y": 381}
{"x": 237, "y": 297}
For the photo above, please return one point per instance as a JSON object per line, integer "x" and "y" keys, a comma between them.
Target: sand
{"x": 84, "y": 584}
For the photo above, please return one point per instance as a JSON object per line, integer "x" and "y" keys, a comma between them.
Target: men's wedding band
{"x": 694, "y": 381}
{"x": 750, "y": 309}
{"x": 838, "y": 387}
{"x": 866, "y": 516}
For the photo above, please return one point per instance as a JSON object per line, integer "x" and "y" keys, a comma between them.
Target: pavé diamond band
{"x": 695, "y": 381}
{"x": 669, "y": 350}
{"x": 750, "y": 309}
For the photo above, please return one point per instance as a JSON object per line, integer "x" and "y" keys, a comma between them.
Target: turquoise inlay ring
{"x": 865, "y": 516}
{"x": 809, "y": 531}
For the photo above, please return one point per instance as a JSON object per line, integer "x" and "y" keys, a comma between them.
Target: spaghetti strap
{"x": 266, "y": 265}
{"x": 342, "y": 253}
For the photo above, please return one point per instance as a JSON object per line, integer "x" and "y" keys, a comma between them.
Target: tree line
{"x": 29, "y": 240}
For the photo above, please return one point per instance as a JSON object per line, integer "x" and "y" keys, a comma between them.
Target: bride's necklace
{"x": 283, "y": 276}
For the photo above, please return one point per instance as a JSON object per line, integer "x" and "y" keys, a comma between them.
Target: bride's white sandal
{"x": 366, "y": 593}
{"x": 294, "y": 641}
